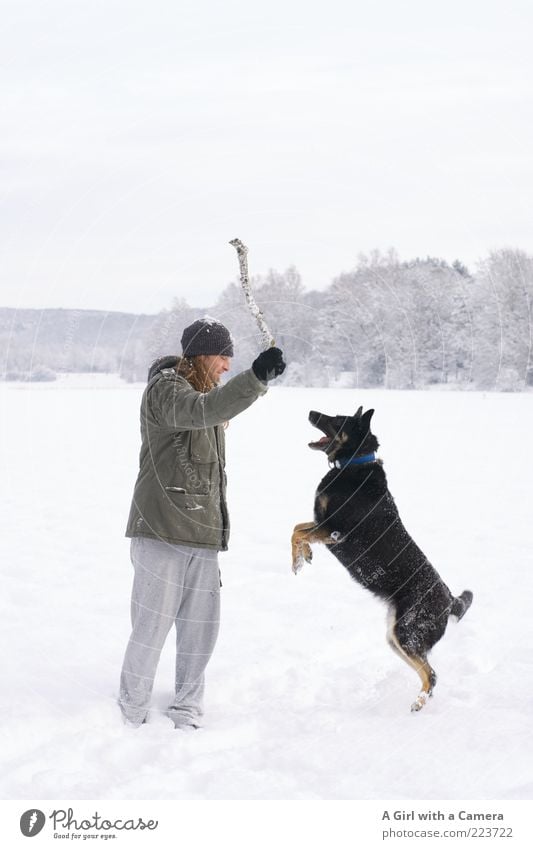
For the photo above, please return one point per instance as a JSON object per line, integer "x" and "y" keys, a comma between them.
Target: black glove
{"x": 269, "y": 364}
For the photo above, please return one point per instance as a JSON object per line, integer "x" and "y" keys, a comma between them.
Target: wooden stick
{"x": 242, "y": 252}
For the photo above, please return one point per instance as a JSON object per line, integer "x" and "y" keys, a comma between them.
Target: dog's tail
{"x": 461, "y": 604}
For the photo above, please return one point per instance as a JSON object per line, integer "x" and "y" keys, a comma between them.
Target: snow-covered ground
{"x": 304, "y": 698}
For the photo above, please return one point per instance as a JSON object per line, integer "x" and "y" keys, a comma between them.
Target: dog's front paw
{"x": 298, "y": 563}
{"x": 306, "y": 552}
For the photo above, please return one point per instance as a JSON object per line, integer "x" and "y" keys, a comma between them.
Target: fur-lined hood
{"x": 169, "y": 361}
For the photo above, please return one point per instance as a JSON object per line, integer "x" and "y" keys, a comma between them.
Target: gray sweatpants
{"x": 173, "y": 585}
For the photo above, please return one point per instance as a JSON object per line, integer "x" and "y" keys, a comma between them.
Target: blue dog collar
{"x": 355, "y": 461}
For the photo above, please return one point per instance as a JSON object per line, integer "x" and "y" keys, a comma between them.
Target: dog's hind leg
{"x": 302, "y": 536}
{"x": 428, "y": 677}
{"x": 419, "y": 663}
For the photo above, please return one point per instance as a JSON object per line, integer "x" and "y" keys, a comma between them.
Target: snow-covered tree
{"x": 502, "y": 319}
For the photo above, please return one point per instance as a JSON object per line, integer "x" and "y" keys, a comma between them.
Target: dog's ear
{"x": 365, "y": 419}
{"x": 358, "y": 413}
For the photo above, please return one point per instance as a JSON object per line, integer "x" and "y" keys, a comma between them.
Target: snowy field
{"x": 304, "y": 699}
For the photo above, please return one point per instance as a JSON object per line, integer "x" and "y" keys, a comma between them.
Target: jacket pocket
{"x": 204, "y": 459}
{"x": 186, "y": 501}
{"x": 195, "y": 467}
{"x": 203, "y": 446}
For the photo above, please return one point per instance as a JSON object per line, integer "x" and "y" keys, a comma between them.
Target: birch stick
{"x": 242, "y": 253}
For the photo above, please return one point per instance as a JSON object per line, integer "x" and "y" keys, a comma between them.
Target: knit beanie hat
{"x": 206, "y": 336}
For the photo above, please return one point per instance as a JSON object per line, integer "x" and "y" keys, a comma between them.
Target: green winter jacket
{"x": 180, "y": 493}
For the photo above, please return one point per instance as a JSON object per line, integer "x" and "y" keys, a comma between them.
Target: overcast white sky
{"x": 137, "y": 138}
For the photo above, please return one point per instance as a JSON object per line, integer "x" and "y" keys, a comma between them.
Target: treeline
{"x": 387, "y": 323}
{"x": 401, "y": 325}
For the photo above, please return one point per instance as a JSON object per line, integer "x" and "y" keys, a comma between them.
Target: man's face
{"x": 216, "y": 365}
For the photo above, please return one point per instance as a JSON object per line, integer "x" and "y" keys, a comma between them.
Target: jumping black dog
{"x": 356, "y": 517}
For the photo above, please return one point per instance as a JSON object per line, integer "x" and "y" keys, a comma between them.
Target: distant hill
{"x": 37, "y": 344}
{"x": 40, "y": 344}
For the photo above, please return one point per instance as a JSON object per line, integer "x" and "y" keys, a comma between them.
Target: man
{"x": 179, "y": 520}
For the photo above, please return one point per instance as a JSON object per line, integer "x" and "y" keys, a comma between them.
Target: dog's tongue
{"x": 325, "y": 440}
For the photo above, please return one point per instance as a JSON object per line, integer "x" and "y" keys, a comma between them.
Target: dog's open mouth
{"x": 321, "y": 444}
{"x": 323, "y": 423}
